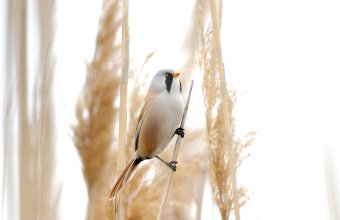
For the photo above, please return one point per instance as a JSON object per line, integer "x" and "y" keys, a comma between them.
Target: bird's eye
{"x": 166, "y": 75}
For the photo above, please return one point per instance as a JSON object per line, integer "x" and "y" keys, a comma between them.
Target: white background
{"x": 284, "y": 54}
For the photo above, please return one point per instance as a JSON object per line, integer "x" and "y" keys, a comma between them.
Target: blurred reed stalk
{"x": 96, "y": 115}
{"x": 330, "y": 176}
{"x": 25, "y": 147}
{"x": 37, "y": 198}
{"x": 43, "y": 115}
{"x": 174, "y": 158}
{"x": 8, "y": 190}
{"x": 123, "y": 102}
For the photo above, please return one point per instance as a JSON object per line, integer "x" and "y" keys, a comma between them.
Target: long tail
{"x": 124, "y": 176}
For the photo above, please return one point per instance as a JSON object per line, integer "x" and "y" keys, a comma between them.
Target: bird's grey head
{"x": 166, "y": 79}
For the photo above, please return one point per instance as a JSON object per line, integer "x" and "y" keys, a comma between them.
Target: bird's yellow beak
{"x": 176, "y": 74}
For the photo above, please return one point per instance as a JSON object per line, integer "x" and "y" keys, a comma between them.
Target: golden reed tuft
{"x": 96, "y": 115}
{"x": 225, "y": 155}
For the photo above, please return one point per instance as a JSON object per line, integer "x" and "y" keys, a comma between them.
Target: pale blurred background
{"x": 281, "y": 56}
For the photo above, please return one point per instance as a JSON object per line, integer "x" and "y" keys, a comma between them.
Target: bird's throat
{"x": 168, "y": 82}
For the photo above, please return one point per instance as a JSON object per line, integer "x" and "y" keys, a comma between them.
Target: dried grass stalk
{"x": 95, "y": 113}
{"x": 123, "y": 86}
{"x": 224, "y": 150}
{"x": 330, "y": 180}
{"x": 25, "y": 147}
{"x": 174, "y": 158}
{"x": 187, "y": 185}
{"x": 123, "y": 101}
{"x": 43, "y": 118}
{"x": 9, "y": 180}
{"x": 225, "y": 106}
{"x": 37, "y": 198}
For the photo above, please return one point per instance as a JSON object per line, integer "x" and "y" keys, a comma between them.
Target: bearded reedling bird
{"x": 157, "y": 123}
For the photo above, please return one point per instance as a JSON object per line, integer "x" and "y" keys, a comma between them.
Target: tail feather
{"x": 123, "y": 177}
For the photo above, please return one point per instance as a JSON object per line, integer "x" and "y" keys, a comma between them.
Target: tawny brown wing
{"x": 147, "y": 98}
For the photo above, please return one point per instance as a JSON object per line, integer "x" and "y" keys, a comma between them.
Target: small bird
{"x": 157, "y": 123}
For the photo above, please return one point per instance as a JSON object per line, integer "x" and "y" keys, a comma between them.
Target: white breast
{"x": 162, "y": 114}
{"x": 170, "y": 110}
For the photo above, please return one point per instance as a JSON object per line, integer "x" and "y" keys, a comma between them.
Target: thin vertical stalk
{"x": 174, "y": 158}
{"x": 330, "y": 181}
{"x": 43, "y": 115}
{"x": 199, "y": 199}
{"x": 24, "y": 140}
{"x": 226, "y": 113}
{"x": 123, "y": 100}
{"x": 123, "y": 86}
{"x": 9, "y": 180}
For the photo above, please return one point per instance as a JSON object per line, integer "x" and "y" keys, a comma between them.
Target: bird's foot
{"x": 180, "y": 132}
{"x": 171, "y": 164}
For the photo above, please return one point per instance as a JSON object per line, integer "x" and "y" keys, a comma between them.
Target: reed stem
{"x": 225, "y": 107}
{"x": 174, "y": 158}
{"x": 123, "y": 101}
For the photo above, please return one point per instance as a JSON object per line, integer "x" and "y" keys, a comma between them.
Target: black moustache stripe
{"x": 168, "y": 82}
{"x": 180, "y": 86}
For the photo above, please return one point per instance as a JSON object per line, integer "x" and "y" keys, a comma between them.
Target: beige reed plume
{"x": 96, "y": 115}
{"x": 225, "y": 151}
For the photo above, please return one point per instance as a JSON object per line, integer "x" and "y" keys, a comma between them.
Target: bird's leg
{"x": 171, "y": 164}
{"x": 180, "y": 132}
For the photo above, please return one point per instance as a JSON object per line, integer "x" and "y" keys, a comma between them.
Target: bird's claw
{"x": 180, "y": 132}
{"x": 172, "y": 165}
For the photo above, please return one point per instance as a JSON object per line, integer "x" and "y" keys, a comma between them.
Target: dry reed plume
{"x": 95, "y": 112}
{"x": 224, "y": 150}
